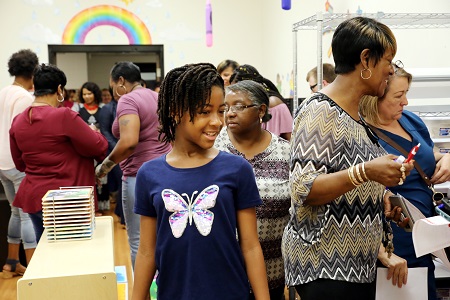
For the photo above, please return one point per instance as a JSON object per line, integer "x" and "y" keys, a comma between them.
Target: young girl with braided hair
{"x": 192, "y": 206}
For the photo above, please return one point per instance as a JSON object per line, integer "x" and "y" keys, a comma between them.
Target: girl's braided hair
{"x": 184, "y": 89}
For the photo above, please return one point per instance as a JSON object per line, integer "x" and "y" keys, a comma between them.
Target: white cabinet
{"x": 72, "y": 270}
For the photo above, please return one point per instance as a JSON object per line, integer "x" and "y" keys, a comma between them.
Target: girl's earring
{"x": 260, "y": 120}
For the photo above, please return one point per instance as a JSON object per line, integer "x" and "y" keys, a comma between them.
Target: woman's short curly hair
{"x": 23, "y": 63}
{"x": 47, "y": 79}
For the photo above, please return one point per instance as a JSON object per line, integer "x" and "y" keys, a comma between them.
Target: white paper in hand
{"x": 415, "y": 289}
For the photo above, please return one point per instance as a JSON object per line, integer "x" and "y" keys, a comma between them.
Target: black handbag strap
{"x": 402, "y": 151}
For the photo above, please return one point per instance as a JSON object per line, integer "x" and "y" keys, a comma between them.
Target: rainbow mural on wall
{"x": 86, "y": 20}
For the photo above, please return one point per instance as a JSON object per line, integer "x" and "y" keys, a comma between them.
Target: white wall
{"x": 75, "y": 67}
{"x": 179, "y": 25}
{"x": 251, "y": 31}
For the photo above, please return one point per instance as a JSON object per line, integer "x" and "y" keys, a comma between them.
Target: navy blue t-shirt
{"x": 197, "y": 254}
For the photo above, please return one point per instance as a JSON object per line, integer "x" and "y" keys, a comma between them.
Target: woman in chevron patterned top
{"x": 338, "y": 175}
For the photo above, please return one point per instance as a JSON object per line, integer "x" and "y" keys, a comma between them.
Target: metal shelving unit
{"x": 324, "y": 22}
{"x": 437, "y": 120}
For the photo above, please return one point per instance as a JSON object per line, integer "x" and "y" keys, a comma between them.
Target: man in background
{"x": 328, "y": 77}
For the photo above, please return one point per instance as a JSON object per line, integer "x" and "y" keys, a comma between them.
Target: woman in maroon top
{"x": 53, "y": 146}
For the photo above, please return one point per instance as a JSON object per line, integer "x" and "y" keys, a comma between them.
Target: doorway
{"x": 82, "y": 63}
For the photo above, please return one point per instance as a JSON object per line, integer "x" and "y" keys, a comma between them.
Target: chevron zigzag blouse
{"x": 339, "y": 240}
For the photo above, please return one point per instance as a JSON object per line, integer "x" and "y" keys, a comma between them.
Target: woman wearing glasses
{"x": 406, "y": 129}
{"x": 339, "y": 174}
{"x": 281, "y": 121}
{"x": 246, "y": 108}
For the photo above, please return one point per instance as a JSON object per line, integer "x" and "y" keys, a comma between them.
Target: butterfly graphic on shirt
{"x": 196, "y": 210}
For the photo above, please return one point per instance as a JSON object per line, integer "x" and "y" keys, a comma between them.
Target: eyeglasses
{"x": 397, "y": 65}
{"x": 237, "y": 108}
{"x": 312, "y": 87}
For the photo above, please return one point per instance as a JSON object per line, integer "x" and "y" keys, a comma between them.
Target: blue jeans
{"x": 19, "y": 227}
{"x": 38, "y": 224}
{"x": 132, "y": 220}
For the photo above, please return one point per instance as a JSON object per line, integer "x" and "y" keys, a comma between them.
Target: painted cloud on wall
{"x": 180, "y": 33}
{"x": 38, "y": 33}
{"x": 154, "y": 3}
{"x": 38, "y": 2}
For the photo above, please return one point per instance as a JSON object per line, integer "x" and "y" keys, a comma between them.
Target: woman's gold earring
{"x": 370, "y": 74}
{"x": 124, "y": 88}
{"x": 260, "y": 120}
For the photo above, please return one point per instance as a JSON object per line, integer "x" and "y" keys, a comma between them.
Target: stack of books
{"x": 68, "y": 213}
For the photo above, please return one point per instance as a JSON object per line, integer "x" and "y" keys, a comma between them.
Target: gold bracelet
{"x": 352, "y": 173}
{"x": 358, "y": 175}
{"x": 364, "y": 172}
{"x": 351, "y": 176}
